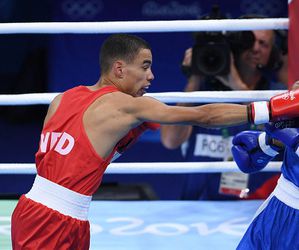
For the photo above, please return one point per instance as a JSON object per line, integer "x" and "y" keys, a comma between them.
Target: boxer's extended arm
{"x": 209, "y": 115}
{"x": 280, "y": 107}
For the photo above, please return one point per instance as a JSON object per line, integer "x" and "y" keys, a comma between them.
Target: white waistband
{"x": 287, "y": 192}
{"x": 59, "y": 198}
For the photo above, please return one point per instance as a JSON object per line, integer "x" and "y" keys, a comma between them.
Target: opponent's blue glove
{"x": 288, "y": 136}
{"x": 293, "y": 123}
{"x": 252, "y": 150}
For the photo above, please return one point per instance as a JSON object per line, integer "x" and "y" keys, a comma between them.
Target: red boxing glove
{"x": 129, "y": 139}
{"x": 281, "y": 107}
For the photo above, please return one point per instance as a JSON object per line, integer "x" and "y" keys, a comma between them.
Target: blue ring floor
{"x": 155, "y": 225}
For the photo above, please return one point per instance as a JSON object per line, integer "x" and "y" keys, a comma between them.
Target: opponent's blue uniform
{"x": 275, "y": 225}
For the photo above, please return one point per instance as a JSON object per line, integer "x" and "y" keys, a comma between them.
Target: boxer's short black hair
{"x": 120, "y": 46}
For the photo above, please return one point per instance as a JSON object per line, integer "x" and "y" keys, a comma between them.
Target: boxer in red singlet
{"x": 84, "y": 129}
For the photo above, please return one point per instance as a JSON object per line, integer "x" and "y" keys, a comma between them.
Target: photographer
{"x": 247, "y": 69}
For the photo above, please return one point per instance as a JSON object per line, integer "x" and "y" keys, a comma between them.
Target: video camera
{"x": 211, "y": 54}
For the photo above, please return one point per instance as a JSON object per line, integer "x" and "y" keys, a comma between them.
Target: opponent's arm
{"x": 288, "y": 136}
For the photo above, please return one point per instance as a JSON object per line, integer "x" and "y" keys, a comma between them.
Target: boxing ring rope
{"x": 143, "y": 26}
{"x": 149, "y": 167}
{"x": 168, "y": 97}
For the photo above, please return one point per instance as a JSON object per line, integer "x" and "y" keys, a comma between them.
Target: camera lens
{"x": 211, "y": 60}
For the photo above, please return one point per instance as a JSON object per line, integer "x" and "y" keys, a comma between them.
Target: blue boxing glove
{"x": 252, "y": 150}
{"x": 288, "y": 136}
{"x": 293, "y": 123}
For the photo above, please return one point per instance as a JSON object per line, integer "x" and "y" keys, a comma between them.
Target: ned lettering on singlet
{"x": 63, "y": 142}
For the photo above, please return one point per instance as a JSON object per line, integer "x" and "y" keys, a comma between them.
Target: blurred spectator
{"x": 249, "y": 69}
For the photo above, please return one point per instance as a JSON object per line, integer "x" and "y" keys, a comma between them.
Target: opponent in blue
{"x": 275, "y": 224}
